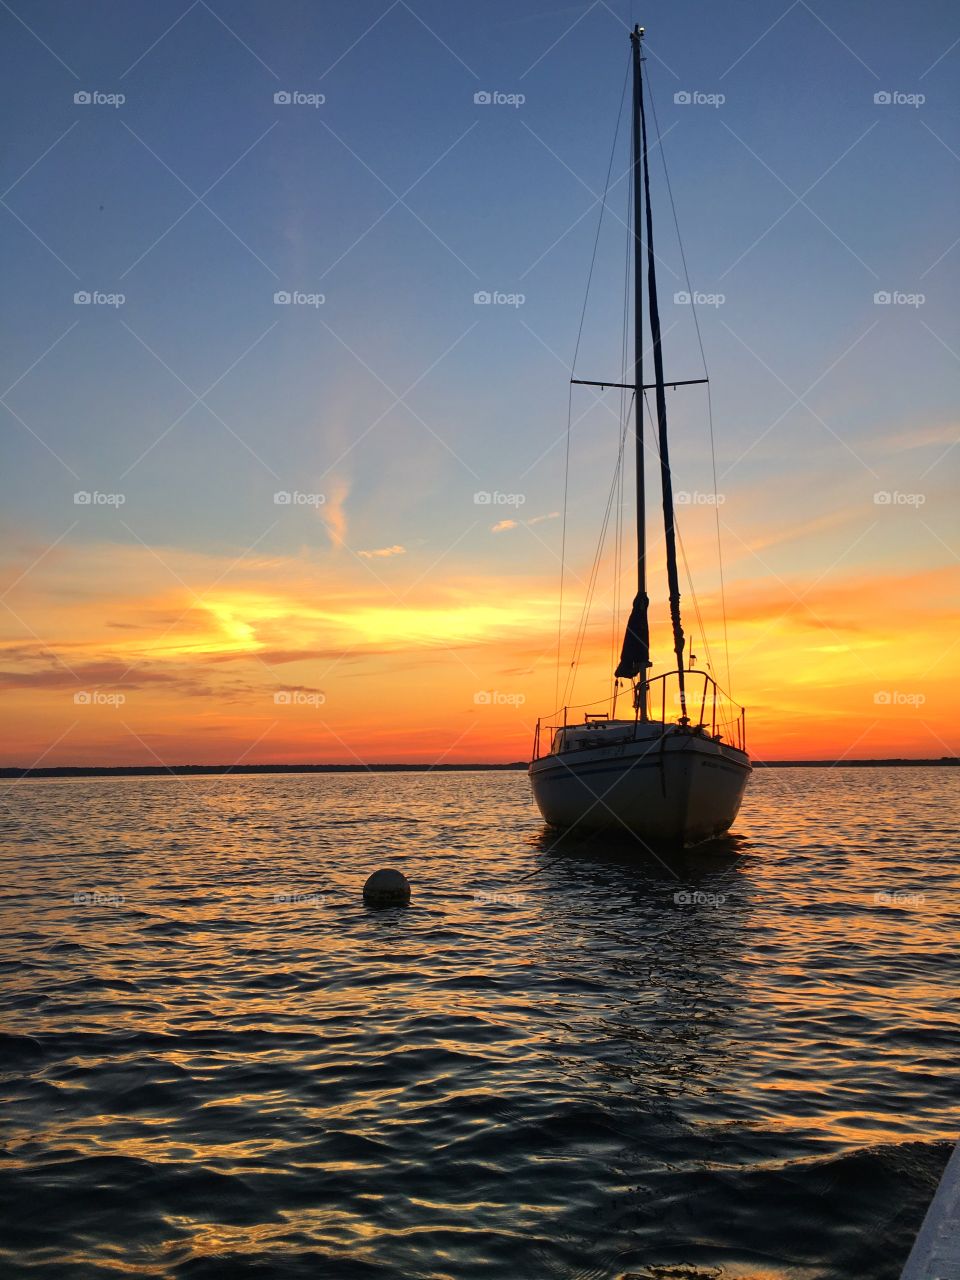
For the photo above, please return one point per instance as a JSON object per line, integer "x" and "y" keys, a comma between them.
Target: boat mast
{"x": 635, "y": 654}
{"x": 666, "y": 483}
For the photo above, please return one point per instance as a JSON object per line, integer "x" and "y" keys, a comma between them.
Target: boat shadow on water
{"x": 615, "y": 849}
{"x": 604, "y": 872}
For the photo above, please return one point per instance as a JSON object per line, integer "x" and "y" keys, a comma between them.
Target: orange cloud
{"x": 198, "y": 647}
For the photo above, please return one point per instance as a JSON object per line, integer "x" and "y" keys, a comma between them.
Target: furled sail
{"x": 635, "y": 654}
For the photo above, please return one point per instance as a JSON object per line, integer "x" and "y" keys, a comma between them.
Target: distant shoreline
{"x": 211, "y": 770}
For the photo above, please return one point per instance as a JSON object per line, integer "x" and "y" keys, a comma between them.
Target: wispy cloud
{"x": 919, "y": 438}
{"x": 332, "y": 512}
{"x": 383, "y": 553}
{"x": 503, "y": 525}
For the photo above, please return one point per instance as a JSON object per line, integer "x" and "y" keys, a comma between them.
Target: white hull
{"x": 677, "y": 787}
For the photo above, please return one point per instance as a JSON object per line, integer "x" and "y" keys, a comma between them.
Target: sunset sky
{"x": 397, "y": 618}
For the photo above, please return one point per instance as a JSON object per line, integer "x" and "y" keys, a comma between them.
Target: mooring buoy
{"x": 387, "y": 888}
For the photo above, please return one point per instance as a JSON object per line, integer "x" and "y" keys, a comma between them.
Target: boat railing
{"x": 698, "y": 706}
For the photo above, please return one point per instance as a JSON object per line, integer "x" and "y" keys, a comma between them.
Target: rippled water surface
{"x": 563, "y": 1060}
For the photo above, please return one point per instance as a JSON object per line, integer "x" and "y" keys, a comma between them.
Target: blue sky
{"x": 198, "y": 99}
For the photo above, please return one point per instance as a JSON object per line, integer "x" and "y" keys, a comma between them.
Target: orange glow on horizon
{"x": 176, "y": 671}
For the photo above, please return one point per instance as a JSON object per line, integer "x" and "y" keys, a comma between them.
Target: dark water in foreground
{"x": 580, "y": 1077}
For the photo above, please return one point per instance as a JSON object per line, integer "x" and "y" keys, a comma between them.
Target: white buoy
{"x": 387, "y": 888}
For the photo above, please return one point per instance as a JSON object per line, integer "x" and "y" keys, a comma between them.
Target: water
{"x": 572, "y": 1074}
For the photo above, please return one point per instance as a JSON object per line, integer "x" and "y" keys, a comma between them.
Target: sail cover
{"x": 635, "y": 655}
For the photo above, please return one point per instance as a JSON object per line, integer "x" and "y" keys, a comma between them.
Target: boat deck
{"x": 936, "y": 1251}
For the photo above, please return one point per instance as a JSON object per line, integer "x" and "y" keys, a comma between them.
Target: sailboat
{"x": 674, "y": 772}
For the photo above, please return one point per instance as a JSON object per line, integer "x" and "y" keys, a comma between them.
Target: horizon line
{"x": 178, "y": 770}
